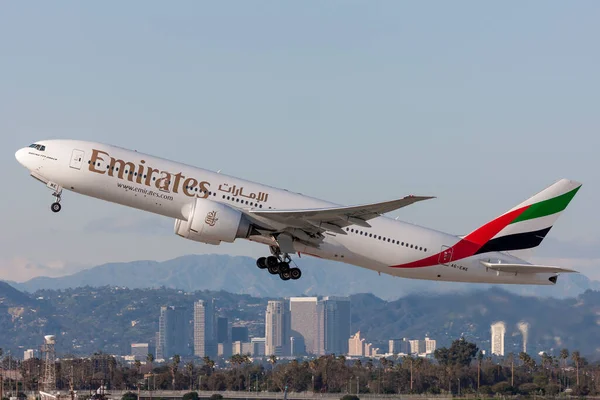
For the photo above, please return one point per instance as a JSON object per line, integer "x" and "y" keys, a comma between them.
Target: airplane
{"x": 211, "y": 207}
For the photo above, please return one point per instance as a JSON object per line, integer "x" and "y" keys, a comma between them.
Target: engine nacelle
{"x": 211, "y": 222}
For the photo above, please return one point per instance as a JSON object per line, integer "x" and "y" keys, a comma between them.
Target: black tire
{"x": 55, "y": 207}
{"x": 285, "y": 276}
{"x": 273, "y": 270}
{"x": 295, "y": 273}
{"x": 261, "y": 262}
{"x": 284, "y": 267}
{"x": 272, "y": 261}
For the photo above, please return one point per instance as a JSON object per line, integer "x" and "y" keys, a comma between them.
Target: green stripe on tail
{"x": 547, "y": 207}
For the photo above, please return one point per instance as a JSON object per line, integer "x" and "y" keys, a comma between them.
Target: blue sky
{"x": 481, "y": 104}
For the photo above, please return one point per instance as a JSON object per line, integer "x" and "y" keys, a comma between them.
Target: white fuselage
{"x": 66, "y": 163}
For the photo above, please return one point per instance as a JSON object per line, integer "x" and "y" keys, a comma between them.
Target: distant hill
{"x": 11, "y": 297}
{"x": 240, "y": 275}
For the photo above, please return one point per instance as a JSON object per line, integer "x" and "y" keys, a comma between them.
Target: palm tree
{"x": 479, "y": 358}
{"x": 150, "y": 361}
{"x": 189, "y": 367}
{"x": 273, "y": 360}
{"x": 576, "y": 357}
{"x": 175, "y": 367}
{"x": 208, "y": 362}
{"x": 138, "y": 365}
{"x": 564, "y": 354}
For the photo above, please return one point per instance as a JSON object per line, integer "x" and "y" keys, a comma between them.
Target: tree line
{"x": 459, "y": 369}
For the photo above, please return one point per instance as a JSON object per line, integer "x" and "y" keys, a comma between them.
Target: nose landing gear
{"x": 56, "y": 207}
{"x": 279, "y": 264}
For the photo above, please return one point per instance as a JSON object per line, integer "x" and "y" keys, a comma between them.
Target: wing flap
{"x": 525, "y": 268}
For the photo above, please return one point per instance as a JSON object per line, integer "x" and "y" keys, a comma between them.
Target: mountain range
{"x": 240, "y": 275}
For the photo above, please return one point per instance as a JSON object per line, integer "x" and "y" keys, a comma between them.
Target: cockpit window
{"x": 37, "y": 146}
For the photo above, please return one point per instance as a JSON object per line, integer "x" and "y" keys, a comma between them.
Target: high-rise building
{"x": 498, "y": 331}
{"x": 399, "y": 346}
{"x": 258, "y": 346}
{"x": 523, "y": 327}
{"x": 356, "y": 345}
{"x": 368, "y": 352}
{"x": 140, "y": 351}
{"x": 307, "y": 324}
{"x": 242, "y": 348}
{"x": 417, "y": 346}
{"x": 28, "y": 354}
{"x": 239, "y": 334}
{"x": 335, "y": 319}
{"x": 205, "y": 330}
{"x": 222, "y": 330}
{"x": 323, "y": 325}
{"x": 430, "y": 346}
{"x": 277, "y": 329}
{"x": 224, "y": 350}
{"x": 172, "y": 338}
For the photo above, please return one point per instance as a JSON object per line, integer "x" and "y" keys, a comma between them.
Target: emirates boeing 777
{"x": 211, "y": 207}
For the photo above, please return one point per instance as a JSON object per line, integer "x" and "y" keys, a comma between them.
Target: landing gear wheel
{"x": 55, "y": 207}
{"x": 261, "y": 263}
{"x": 285, "y": 276}
{"x": 272, "y": 261}
{"x": 273, "y": 270}
{"x": 295, "y": 273}
{"x": 284, "y": 267}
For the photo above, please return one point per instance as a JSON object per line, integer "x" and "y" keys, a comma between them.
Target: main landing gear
{"x": 56, "y": 207}
{"x": 279, "y": 265}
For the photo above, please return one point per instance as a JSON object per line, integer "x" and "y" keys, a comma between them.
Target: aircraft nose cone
{"x": 20, "y": 156}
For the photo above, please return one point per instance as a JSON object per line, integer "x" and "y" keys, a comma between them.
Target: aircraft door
{"x": 445, "y": 255}
{"x": 76, "y": 159}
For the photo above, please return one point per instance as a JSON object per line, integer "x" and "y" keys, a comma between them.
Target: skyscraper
{"x": 417, "y": 346}
{"x": 205, "y": 335}
{"x": 239, "y": 334}
{"x": 258, "y": 346}
{"x": 277, "y": 329}
{"x": 172, "y": 338}
{"x": 336, "y": 323}
{"x": 222, "y": 330}
{"x": 399, "y": 346}
{"x": 323, "y": 325}
{"x": 140, "y": 351}
{"x": 498, "y": 330}
{"x": 430, "y": 346}
{"x": 306, "y": 323}
{"x": 356, "y": 345}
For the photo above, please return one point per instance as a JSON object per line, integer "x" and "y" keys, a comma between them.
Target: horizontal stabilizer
{"x": 524, "y": 268}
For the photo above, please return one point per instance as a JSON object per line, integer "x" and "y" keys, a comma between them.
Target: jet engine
{"x": 211, "y": 222}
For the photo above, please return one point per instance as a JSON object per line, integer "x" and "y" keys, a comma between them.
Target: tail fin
{"x": 526, "y": 225}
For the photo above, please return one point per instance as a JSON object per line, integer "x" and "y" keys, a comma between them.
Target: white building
{"x": 430, "y": 346}
{"x": 498, "y": 330}
{"x": 417, "y": 346}
{"x": 28, "y": 354}
{"x": 356, "y": 345}
{"x": 277, "y": 329}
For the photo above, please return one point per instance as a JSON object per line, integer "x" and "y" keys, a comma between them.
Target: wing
{"x": 334, "y": 218}
{"x": 525, "y": 268}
